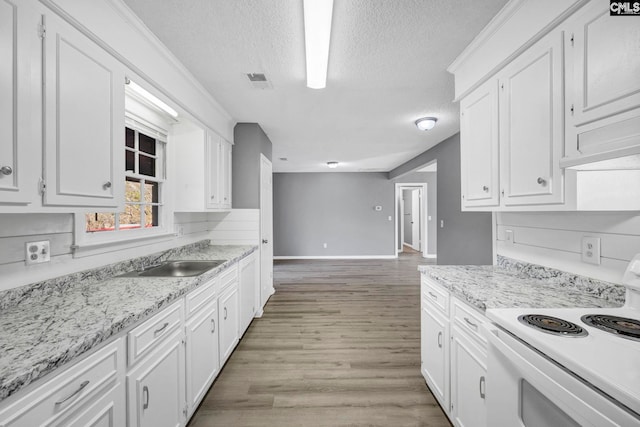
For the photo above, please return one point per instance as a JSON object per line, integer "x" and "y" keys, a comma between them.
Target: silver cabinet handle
{"x": 106, "y": 185}
{"x": 432, "y": 295}
{"x": 542, "y": 181}
{"x": 470, "y": 323}
{"x": 482, "y": 387}
{"x": 213, "y": 326}
{"x": 225, "y": 313}
{"x": 485, "y": 188}
{"x": 440, "y": 339}
{"x": 6, "y": 170}
{"x": 160, "y": 329}
{"x": 78, "y": 390}
{"x": 145, "y": 397}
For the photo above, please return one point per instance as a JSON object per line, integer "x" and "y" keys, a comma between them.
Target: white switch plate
{"x": 591, "y": 250}
{"x": 324, "y": 245}
{"x": 37, "y": 252}
{"x": 508, "y": 236}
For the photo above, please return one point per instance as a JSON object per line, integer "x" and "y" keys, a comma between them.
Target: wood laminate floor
{"x": 338, "y": 345}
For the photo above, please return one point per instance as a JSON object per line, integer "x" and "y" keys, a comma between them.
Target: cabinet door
{"x": 14, "y": 82}
{"x": 228, "y": 305}
{"x": 531, "y": 125}
{"x": 247, "y": 289}
{"x": 202, "y": 354}
{"x": 435, "y": 353}
{"x": 214, "y": 163}
{"x": 606, "y": 63}
{"x": 468, "y": 382}
{"x": 156, "y": 387}
{"x": 225, "y": 171}
{"x": 479, "y": 146}
{"x": 603, "y": 91}
{"x": 84, "y": 120}
{"x": 107, "y": 411}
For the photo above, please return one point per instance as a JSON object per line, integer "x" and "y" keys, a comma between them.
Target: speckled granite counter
{"x": 513, "y": 284}
{"x": 46, "y": 324}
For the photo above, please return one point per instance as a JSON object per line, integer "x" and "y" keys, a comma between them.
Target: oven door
{"x": 526, "y": 389}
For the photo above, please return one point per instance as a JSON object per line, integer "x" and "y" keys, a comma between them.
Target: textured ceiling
{"x": 387, "y": 67}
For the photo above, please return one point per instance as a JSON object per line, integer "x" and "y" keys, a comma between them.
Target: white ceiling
{"x": 387, "y": 67}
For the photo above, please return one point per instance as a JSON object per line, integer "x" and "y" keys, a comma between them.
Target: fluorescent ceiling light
{"x": 332, "y": 165}
{"x": 152, "y": 98}
{"x": 317, "y": 34}
{"x": 426, "y": 123}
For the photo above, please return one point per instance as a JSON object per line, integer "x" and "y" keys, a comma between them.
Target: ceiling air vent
{"x": 259, "y": 81}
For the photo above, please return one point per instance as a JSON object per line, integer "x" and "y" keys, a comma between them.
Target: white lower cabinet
{"x": 202, "y": 352}
{"x": 156, "y": 386}
{"x": 468, "y": 381}
{"x": 435, "y": 352}
{"x": 89, "y": 393}
{"x": 228, "y": 305}
{"x": 454, "y": 356}
{"x": 248, "y": 283}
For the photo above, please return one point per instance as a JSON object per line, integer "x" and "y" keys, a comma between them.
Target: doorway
{"x": 411, "y": 231}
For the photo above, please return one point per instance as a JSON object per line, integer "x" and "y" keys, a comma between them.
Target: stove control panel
{"x": 631, "y": 278}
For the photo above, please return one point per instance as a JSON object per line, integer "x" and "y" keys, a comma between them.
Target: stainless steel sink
{"x": 178, "y": 269}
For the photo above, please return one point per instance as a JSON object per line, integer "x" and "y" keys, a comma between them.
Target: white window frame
{"x": 149, "y": 121}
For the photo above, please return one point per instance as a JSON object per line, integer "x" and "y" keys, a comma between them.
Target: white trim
{"x": 338, "y": 257}
{"x": 430, "y": 256}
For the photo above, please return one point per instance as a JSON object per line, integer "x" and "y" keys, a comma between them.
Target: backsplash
{"x": 12, "y": 296}
{"x": 561, "y": 279}
{"x": 553, "y": 239}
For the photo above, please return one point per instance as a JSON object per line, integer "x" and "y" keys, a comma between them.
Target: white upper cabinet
{"x": 603, "y": 88}
{"x": 14, "y": 75}
{"x": 202, "y": 173}
{"x": 219, "y": 172}
{"x": 83, "y": 120}
{"x": 531, "y": 125}
{"x": 479, "y": 146}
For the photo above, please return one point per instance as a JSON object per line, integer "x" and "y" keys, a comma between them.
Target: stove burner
{"x": 621, "y": 326}
{"x": 552, "y": 325}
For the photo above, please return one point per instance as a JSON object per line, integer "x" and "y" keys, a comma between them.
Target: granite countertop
{"x": 45, "y": 325}
{"x": 512, "y": 284}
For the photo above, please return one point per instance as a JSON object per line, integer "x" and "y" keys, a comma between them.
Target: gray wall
{"x": 466, "y": 236}
{"x": 249, "y": 142}
{"x": 430, "y": 178}
{"x": 336, "y": 208}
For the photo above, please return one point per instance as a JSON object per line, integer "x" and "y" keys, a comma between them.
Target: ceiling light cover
{"x": 151, "y": 98}
{"x": 317, "y": 34}
{"x": 426, "y": 123}
{"x": 332, "y": 165}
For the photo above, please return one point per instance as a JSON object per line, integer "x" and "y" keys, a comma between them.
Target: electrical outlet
{"x": 442, "y": 223}
{"x": 508, "y": 236}
{"x": 591, "y": 250}
{"x": 37, "y": 252}
{"x": 324, "y": 245}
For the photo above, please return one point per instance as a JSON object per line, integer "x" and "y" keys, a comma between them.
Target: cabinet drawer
{"x": 145, "y": 337}
{"x": 69, "y": 390}
{"x": 200, "y": 297}
{"x": 228, "y": 277}
{"x": 469, "y": 320}
{"x": 436, "y": 295}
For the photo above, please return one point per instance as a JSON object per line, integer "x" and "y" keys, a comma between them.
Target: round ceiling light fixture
{"x": 332, "y": 165}
{"x": 426, "y": 123}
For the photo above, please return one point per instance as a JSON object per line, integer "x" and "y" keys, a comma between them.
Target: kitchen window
{"x": 144, "y": 178}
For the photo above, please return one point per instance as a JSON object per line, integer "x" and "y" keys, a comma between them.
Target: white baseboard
{"x": 431, "y": 256}
{"x": 337, "y": 257}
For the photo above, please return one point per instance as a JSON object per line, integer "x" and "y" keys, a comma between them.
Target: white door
{"x": 266, "y": 230}
{"x": 435, "y": 353}
{"x": 416, "y": 219}
{"x": 228, "y": 317}
{"x": 531, "y": 125}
